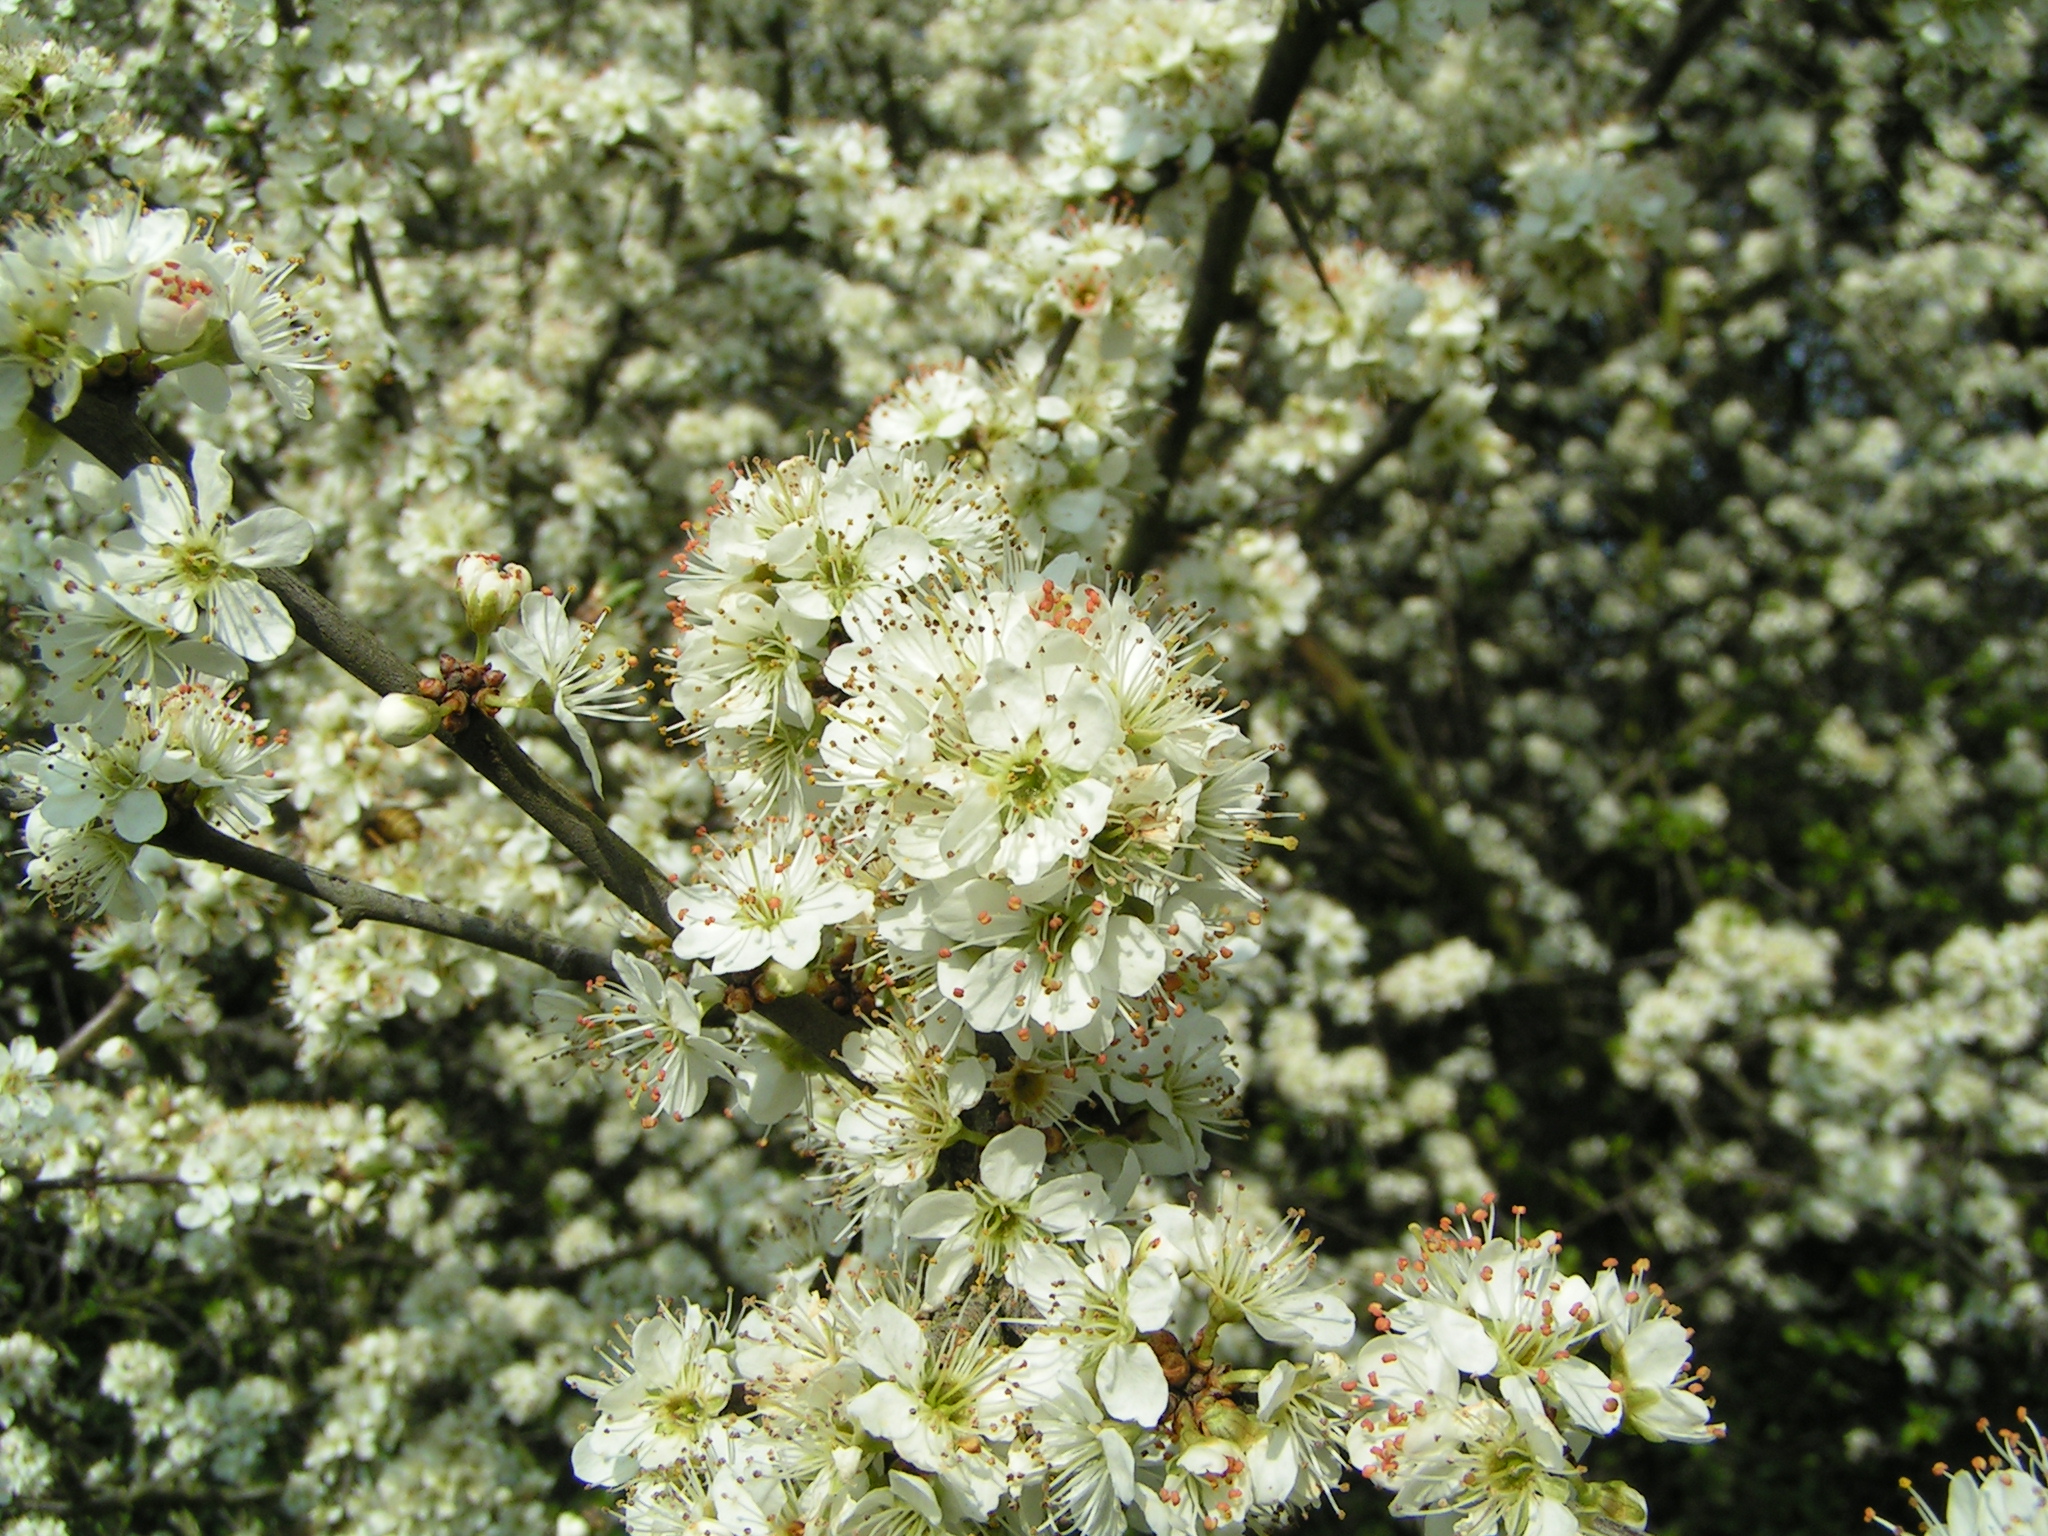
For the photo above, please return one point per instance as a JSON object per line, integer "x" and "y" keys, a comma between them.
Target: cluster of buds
{"x": 442, "y": 703}
{"x": 491, "y": 590}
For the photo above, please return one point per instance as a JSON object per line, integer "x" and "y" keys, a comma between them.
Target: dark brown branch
{"x": 355, "y": 902}
{"x": 112, "y": 1012}
{"x": 1697, "y": 24}
{"x": 97, "y": 1181}
{"x": 1069, "y": 329}
{"x": 810, "y": 1023}
{"x": 485, "y": 746}
{"x": 362, "y": 260}
{"x": 1413, "y": 803}
{"x": 103, "y": 422}
{"x": 1307, "y": 26}
{"x": 1397, "y": 428}
{"x": 107, "y": 428}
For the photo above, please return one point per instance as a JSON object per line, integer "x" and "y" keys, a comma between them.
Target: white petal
{"x": 139, "y": 815}
{"x": 276, "y": 536}
{"x": 1654, "y": 1354}
{"x": 1139, "y": 953}
{"x": 1587, "y": 1396}
{"x": 215, "y": 485}
{"x": 1463, "y": 1339}
{"x": 1005, "y": 707}
{"x": 1131, "y": 1384}
{"x": 1081, "y": 728}
{"x": 573, "y": 728}
{"x": 206, "y": 386}
{"x": 1071, "y": 1204}
{"x": 1154, "y": 1293}
{"x": 1123, "y": 1466}
{"x": 163, "y": 509}
{"x": 1274, "y": 1465}
{"x": 1011, "y": 1163}
{"x": 940, "y": 1213}
{"x": 890, "y": 1343}
{"x": 250, "y": 622}
{"x": 917, "y": 1493}
{"x": 885, "y": 1411}
{"x": 1535, "y": 1423}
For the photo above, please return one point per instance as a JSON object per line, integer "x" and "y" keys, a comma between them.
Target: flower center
{"x": 199, "y": 565}
{"x": 1030, "y": 782}
{"x": 676, "y": 1409}
{"x": 948, "y": 1402}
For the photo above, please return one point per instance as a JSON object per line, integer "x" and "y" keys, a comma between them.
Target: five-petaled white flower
{"x": 653, "y": 1025}
{"x": 186, "y": 567}
{"x": 675, "y": 1381}
{"x": 980, "y": 1225}
{"x": 940, "y": 1402}
{"x": 552, "y": 663}
{"x": 767, "y": 901}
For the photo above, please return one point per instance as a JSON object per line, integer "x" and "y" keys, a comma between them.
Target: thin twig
{"x": 1296, "y": 46}
{"x": 1397, "y": 428}
{"x": 362, "y": 260}
{"x": 1413, "y": 803}
{"x": 485, "y": 745}
{"x": 1069, "y": 329}
{"x": 1298, "y": 227}
{"x": 88, "y": 1034}
{"x": 97, "y": 1181}
{"x": 354, "y": 902}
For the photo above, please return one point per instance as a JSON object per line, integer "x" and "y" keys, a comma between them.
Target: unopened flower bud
{"x": 174, "y": 305}
{"x": 490, "y": 590}
{"x": 116, "y": 1055}
{"x": 404, "y": 718}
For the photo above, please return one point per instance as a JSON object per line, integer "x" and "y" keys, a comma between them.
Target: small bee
{"x": 384, "y": 825}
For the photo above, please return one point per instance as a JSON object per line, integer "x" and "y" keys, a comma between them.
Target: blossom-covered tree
{"x": 794, "y": 767}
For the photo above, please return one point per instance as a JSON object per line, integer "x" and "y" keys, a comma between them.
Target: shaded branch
{"x": 1413, "y": 803}
{"x": 1306, "y": 27}
{"x": 1697, "y": 24}
{"x": 119, "y": 441}
{"x": 1298, "y": 227}
{"x": 1069, "y": 329}
{"x": 106, "y": 427}
{"x": 812, "y": 1025}
{"x": 488, "y": 748}
{"x": 96, "y": 1181}
{"x": 88, "y": 1034}
{"x": 354, "y": 902}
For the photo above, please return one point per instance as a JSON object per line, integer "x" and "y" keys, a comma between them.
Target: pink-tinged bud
{"x": 173, "y": 307}
{"x": 491, "y": 590}
{"x": 405, "y": 718}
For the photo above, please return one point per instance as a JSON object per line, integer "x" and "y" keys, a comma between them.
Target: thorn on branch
{"x": 1284, "y": 201}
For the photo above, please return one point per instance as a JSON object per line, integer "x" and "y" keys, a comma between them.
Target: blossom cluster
{"x": 1108, "y": 1395}
{"x": 1613, "y": 492}
{"x": 141, "y": 293}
